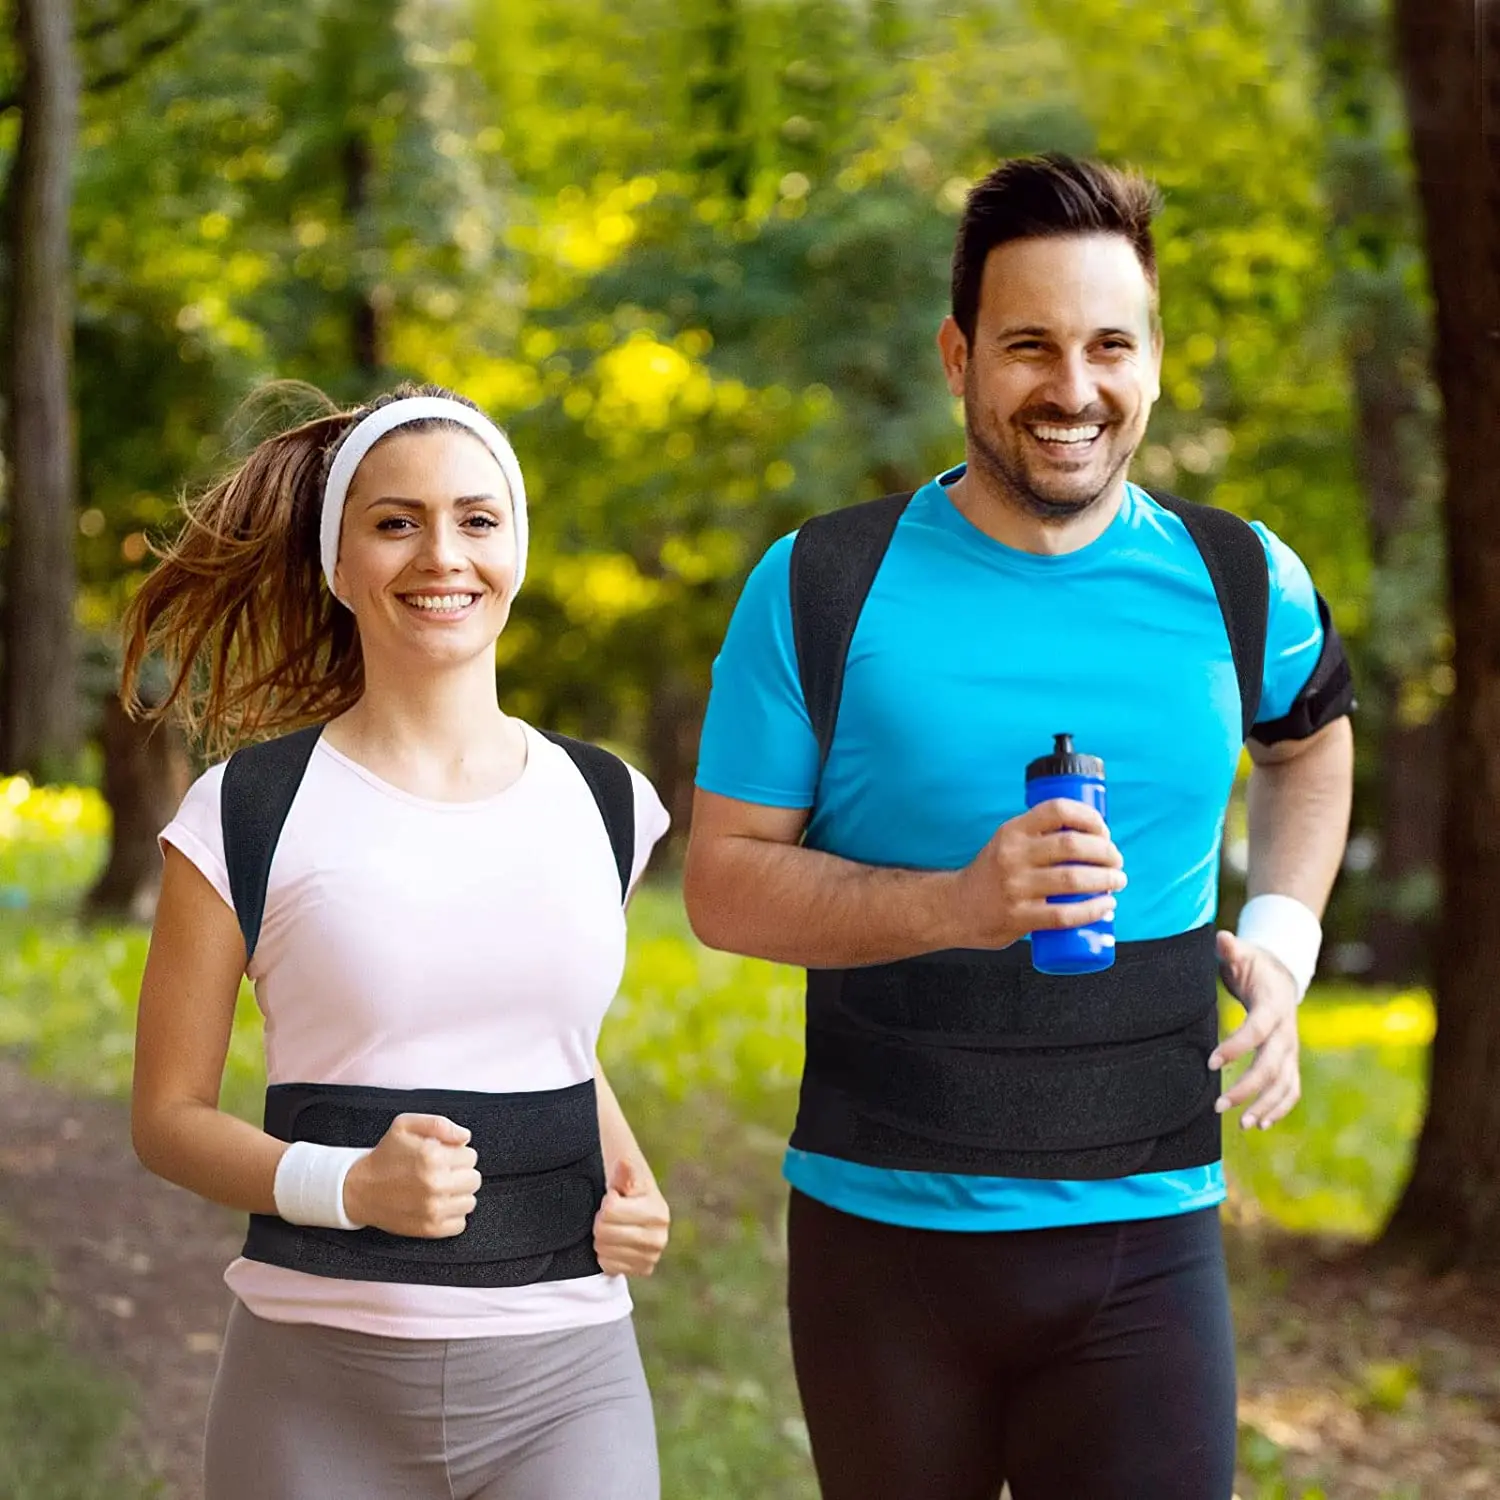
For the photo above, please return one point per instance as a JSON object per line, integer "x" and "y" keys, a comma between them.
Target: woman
{"x": 442, "y": 932}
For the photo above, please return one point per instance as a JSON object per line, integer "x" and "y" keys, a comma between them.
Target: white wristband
{"x": 1287, "y": 930}
{"x": 309, "y": 1186}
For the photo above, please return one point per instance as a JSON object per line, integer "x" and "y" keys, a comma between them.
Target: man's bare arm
{"x": 1298, "y": 801}
{"x": 750, "y": 887}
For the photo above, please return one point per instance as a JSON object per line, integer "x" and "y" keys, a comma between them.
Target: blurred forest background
{"x": 693, "y": 254}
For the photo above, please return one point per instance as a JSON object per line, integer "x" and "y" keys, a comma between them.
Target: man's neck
{"x": 992, "y": 507}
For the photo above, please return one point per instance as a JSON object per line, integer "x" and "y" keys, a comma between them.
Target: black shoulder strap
{"x": 608, "y": 779}
{"x": 1236, "y": 563}
{"x": 834, "y": 561}
{"x": 260, "y": 785}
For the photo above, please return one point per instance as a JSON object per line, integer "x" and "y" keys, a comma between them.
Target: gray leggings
{"x": 301, "y": 1412}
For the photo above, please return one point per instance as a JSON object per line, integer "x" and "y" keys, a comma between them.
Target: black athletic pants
{"x": 1085, "y": 1363}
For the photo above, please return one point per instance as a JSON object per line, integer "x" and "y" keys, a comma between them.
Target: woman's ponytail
{"x": 253, "y": 642}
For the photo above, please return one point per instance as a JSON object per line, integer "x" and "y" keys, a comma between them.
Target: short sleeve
{"x": 1307, "y": 682}
{"x": 197, "y": 832}
{"x": 651, "y": 822}
{"x": 758, "y": 743}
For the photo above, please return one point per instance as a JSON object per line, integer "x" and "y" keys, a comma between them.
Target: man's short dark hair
{"x": 1050, "y": 195}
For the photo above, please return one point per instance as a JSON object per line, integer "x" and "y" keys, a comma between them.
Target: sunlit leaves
{"x": 693, "y": 255}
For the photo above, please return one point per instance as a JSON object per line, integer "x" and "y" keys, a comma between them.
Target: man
{"x": 1005, "y": 1260}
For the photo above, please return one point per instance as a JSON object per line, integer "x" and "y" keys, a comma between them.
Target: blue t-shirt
{"x": 968, "y": 657}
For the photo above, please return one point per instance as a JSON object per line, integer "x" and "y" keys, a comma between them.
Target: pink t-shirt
{"x": 417, "y": 944}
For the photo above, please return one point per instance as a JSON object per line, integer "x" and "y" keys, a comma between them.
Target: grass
{"x": 705, "y": 1050}
{"x": 1336, "y": 1164}
{"x": 59, "y": 1421}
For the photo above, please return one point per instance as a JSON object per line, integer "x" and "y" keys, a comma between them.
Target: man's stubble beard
{"x": 1010, "y": 481}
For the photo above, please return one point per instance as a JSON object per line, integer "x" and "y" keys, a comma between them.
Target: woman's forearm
{"x": 209, "y": 1153}
{"x": 615, "y": 1134}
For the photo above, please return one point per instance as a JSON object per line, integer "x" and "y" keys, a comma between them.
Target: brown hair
{"x": 1045, "y": 196}
{"x": 254, "y": 643}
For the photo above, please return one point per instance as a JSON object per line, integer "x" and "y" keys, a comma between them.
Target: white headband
{"x": 386, "y": 419}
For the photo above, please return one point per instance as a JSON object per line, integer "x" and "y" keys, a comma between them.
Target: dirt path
{"x": 1375, "y": 1383}
{"x": 142, "y": 1281}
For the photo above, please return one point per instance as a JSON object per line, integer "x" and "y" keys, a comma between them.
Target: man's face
{"x": 1062, "y": 371}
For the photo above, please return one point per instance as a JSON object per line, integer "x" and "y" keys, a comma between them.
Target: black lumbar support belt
{"x": 543, "y": 1176}
{"x": 972, "y": 1061}
{"x": 539, "y": 1152}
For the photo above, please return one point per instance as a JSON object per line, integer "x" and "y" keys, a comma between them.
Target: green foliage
{"x": 68, "y": 999}
{"x": 690, "y": 1022}
{"x": 1336, "y": 1165}
{"x": 164, "y": 347}
{"x": 51, "y": 841}
{"x": 68, "y": 992}
{"x": 695, "y": 256}
{"x": 1388, "y": 1384}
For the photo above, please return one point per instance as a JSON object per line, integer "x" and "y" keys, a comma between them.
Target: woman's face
{"x": 427, "y": 550}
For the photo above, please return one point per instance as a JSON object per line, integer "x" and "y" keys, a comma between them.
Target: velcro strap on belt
{"x": 974, "y": 1062}
{"x": 539, "y": 1156}
{"x": 968, "y": 997}
{"x": 1064, "y": 1100}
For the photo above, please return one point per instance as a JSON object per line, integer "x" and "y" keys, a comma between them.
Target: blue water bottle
{"x": 1080, "y": 778}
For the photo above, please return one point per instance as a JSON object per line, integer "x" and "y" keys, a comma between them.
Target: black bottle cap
{"x": 1065, "y": 761}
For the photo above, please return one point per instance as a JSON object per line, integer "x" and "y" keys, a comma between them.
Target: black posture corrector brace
{"x": 539, "y": 1153}
{"x": 969, "y": 1060}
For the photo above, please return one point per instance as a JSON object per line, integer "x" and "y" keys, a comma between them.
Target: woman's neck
{"x": 441, "y": 735}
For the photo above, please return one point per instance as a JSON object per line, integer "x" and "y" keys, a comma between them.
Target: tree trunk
{"x": 39, "y": 720}
{"x": 719, "y": 102}
{"x": 146, "y": 773}
{"x": 1410, "y": 808}
{"x": 1450, "y": 60}
{"x": 1386, "y": 337}
{"x": 1409, "y": 781}
{"x": 674, "y": 721}
{"x": 366, "y": 334}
